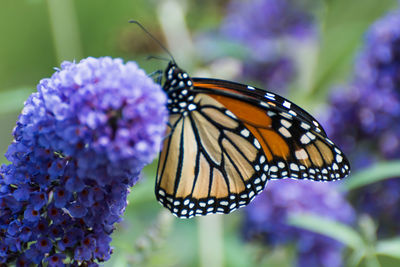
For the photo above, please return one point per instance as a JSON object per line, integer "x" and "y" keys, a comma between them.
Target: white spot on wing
{"x": 294, "y": 167}
{"x": 230, "y": 114}
{"x": 263, "y": 177}
{"x": 301, "y": 154}
{"x": 310, "y": 135}
{"x": 286, "y": 115}
{"x": 304, "y": 139}
{"x": 305, "y": 126}
{"x": 286, "y": 123}
{"x": 287, "y": 104}
{"x": 224, "y": 203}
{"x": 284, "y": 132}
{"x": 245, "y": 132}
{"x": 192, "y": 107}
{"x": 273, "y": 169}
{"x": 270, "y": 96}
{"x": 257, "y": 144}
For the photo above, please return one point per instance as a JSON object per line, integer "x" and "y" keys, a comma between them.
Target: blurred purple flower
{"x": 266, "y": 219}
{"x": 275, "y": 74}
{"x": 88, "y": 130}
{"x": 257, "y": 21}
{"x": 364, "y": 119}
{"x": 372, "y": 102}
{"x": 262, "y": 26}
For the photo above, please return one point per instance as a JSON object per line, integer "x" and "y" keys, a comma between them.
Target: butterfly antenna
{"x": 157, "y": 57}
{"x": 154, "y": 38}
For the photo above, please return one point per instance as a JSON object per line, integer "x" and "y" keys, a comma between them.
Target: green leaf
{"x": 389, "y": 247}
{"x": 120, "y": 262}
{"x": 12, "y": 100}
{"x": 376, "y": 173}
{"x": 328, "y": 227}
{"x": 343, "y": 26}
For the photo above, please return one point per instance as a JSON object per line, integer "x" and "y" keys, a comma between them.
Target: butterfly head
{"x": 176, "y": 79}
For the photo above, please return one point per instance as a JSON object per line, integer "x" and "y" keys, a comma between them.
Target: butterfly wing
{"x": 219, "y": 155}
{"x": 255, "y": 95}
{"x": 294, "y": 142}
{"x": 207, "y": 165}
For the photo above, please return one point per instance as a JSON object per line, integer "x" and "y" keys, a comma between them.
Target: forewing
{"x": 294, "y": 143}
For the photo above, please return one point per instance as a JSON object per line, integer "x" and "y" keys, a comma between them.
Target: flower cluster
{"x": 79, "y": 144}
{"x": 267, "y": 219}
{"x": 263, "y": 26}
{"x": 364, "y": 119}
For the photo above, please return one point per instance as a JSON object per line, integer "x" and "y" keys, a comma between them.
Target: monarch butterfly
{"x": 225, "y": 140}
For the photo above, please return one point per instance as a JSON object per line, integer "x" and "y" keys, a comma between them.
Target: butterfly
{"x": 225, "y": 140}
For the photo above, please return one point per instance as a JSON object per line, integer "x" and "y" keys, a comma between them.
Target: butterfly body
{"x": 179, "y": 87}
{"x": 225, "y": 140}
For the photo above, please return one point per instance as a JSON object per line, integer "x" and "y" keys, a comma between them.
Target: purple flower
{"x": 266, "y": 218}
{"x": 25, "y": 233}
{"x": 79, "y": 144}
{"x": 364, "y": 119}
{"x": 39, "y": 199}
{"x": 274, "y": 74}
{"x": 77, "y": 210}
{"x": 259, "y": 20}
{"x": 264, "y": 26}
{"x": 44, "y": 245}
{"x": 82, "y": 254}
{"x": 56, "y": 260}
{"x": 13, "y": 227}
{"x": 34, "y": 255}
{"x": 22, "y": 261}
{"x": 31, "y": 214}
{"x": 61, "y": 197}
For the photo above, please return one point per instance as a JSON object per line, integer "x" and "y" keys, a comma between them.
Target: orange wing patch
{"x": 259, "y": 123}
{"x": 245, "y": 112}
{"x": 275, "y": 142}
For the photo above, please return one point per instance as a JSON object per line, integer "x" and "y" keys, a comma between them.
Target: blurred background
{"x": 338, "y": 59}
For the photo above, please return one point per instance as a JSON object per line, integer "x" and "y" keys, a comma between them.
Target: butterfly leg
{"x": 157, "y": 75}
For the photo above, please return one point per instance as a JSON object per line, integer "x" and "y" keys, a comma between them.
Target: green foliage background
{"x": 37, "y": 35}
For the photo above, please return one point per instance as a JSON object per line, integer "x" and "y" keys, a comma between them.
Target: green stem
{"x": 65, "y": 29}
{"x": 210, "y": 232}
{"x": 371, "y": 260}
